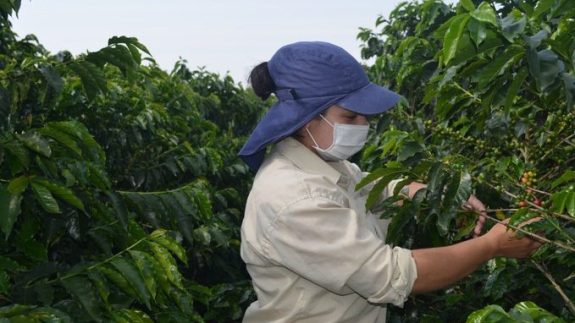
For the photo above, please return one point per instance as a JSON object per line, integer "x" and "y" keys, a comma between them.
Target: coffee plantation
{"x": 121, "y": 194}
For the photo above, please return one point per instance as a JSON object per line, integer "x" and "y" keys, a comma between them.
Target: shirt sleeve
{"x": 332, "y": 246}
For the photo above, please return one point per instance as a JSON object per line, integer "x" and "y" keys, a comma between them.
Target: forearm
{"x": 440, "y": 267}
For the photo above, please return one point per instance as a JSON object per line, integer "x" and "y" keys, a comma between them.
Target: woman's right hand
{"x": 506, "y": 243}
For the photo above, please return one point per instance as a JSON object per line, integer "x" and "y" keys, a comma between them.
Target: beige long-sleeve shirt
{"x": 313, "y": 251}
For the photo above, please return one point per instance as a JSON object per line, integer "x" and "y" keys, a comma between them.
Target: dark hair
{"x": 261, "y": 81}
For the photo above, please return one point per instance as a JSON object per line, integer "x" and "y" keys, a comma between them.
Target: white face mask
{"x": 347, "y": 140}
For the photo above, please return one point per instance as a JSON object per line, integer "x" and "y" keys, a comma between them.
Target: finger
{"x": 480, "y": 223}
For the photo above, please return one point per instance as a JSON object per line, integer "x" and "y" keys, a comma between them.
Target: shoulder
{"x": 279, "y": 187}
{"x": 280, "y": 182}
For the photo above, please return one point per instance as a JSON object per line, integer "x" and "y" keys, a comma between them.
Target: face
{"x": 323, "y": 132}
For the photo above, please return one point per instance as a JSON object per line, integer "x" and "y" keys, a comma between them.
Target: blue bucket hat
{"x": 310, "y": 77}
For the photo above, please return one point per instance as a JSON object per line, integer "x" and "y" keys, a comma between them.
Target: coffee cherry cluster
{"x": 527, "y": 180}
{"x": 448, "y": 132}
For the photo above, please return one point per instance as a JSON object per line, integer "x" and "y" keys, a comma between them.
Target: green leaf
{"x": 511, "y": 27}
{"x": 405, "y": 216}
{"x": 171, "y": 244}
{"x": 98, "y": 176}
{"x": 542, "y": 7}
{"x": 453, "y": 37}
{"x": 485, "y": 13}
{"x": 141, "y": 205}
{"x": 545, "y": 68}
{"x": 570, "y": 204}
{"x": 18, "y": 185}
{"x": 431, "y": 12}
{"x": 62, "y": 138}
{"x": 78, "y": 130}
{"x": 61, "y": 192}
{"x": 522, "y": 215}
{"x": 202, "y": 234}
{"x": 437, "y": 178}
{"x": 463, "y": 190}
{"x": 561, "y": 40}
{"x": 409, "y": 149}
{"x": 9, "y": 210}
{"x": 118, "y": 56}
{"x": 499, "y": 65}
{"x": 535, "y": 313}
{"x": 119, "y": 280}
{"x": 569, "y": 83}
{"x": 391, "y": 140}
{"x": 50, "y": 315}
{"x": 467, "y": 4}
{"x": 158, "y": 273}
{"x": 13, "y": 310}
{"x": 202, "y": 200}
{"x": 10, "y": 265}
{"x": 490, "y": 313}
{"x": 92, "y": 77}
{"x": 17, "y": 149}
{"x": 188, "y": 208}
{"x": 568, "y": 176}
{"x": 146, "y": 268}
{"x": 45, "y": 197}
{"x": 380, "y": 172}
{"x": 536, "y": 40}
{"x": 132, "y": 316}
{"x": 458, "y": 190}
{"x": 477, "y": 31}
{"x": 52, "y": 77}
{"x": 101, "y": 285}
{"x": 4, "y": 282}
{"x": 132, "y": 275}
{"x": 514, "y": 88}
{"x": 184, "y": 219}
{"x": 83, "y": 292}
{"x": 119, "y": 207}
{"x": 35, "y": 142}
{"x": 375, "y": 193}
{"x": 128, "y": 41}
{"x": 167, "y": 263}
{"x": 135, "y": 52}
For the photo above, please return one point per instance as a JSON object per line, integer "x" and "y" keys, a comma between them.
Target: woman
{"x": 315, "y": 254}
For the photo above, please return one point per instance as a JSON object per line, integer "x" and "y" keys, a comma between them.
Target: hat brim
{"x": 285, "y": 117}
{"x": 370, "y": 100}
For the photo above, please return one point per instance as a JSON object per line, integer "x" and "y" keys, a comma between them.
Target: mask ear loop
{"x": 311, "y": 136}
{"x": 325, "y": 119}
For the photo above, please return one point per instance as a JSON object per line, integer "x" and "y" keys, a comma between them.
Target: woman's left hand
{"x": 473, "y": 203}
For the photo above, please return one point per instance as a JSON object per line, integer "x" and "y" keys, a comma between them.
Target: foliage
{"x": 522, "y": 312}
{"x": 489, "y": 110}
{"x": 120, "y": 189}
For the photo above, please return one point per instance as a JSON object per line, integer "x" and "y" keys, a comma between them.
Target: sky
{"x": 224, "y": 36}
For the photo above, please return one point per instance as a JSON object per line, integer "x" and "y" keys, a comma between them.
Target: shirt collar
{"x": 305, "y": 159}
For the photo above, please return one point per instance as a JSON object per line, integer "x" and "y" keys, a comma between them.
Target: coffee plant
{"x": 488, "y": 109}
{"x": 121, "y": 194}
{"x": 120, "y": 191}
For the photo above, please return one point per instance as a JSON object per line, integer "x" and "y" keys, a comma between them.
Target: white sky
{"x": 222, "y": 35}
